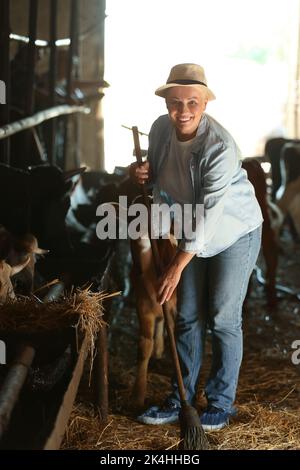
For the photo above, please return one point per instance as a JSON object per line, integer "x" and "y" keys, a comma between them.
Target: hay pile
{"x": 268, "y": 398}
{"x": 81, "y": 309}
{"x": 268, "y": 415}
{"x": 120, "y": 433}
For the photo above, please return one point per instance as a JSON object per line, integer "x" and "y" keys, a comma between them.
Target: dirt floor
{"x": 268, "y": 398}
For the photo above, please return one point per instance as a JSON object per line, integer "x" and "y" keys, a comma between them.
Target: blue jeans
{"x": 211, "y": 294}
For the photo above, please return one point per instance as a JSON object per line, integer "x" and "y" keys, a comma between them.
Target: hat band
{"x": 186, "y": 82}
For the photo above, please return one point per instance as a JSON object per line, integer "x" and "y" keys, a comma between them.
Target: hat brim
{"x": 161, "y": 91}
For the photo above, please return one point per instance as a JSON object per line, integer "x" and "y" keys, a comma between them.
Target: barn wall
{"x": 92, "y": 68}
{"x": 19, "y": 17}
{"x": 91, "y": 50}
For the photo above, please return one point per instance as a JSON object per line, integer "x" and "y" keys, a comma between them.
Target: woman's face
{"x": 185, "y": 106}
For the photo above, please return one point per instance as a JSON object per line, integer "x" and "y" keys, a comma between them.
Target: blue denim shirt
{"x": 219, "y": 183}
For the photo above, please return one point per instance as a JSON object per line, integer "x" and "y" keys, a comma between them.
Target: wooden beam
{"x": 38, "y": 118}
{"x": 13, "y": 383}
{"x": 57, "y": 434}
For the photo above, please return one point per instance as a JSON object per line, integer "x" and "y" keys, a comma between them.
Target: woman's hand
{"x": 139, "y": 173}
{"x": 168, "y": 282}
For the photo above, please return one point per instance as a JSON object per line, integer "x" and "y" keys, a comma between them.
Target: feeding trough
{"x": 49, "y": 343}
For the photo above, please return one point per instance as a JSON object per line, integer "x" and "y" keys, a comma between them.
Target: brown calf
{"x": 144, "y": 280}
{"x": 257, "y": 177}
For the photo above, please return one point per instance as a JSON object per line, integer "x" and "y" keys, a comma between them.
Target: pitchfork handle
{"x": 158, "y": 269}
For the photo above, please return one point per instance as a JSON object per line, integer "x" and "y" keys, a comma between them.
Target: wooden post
{"x": 52, "y": 76}
{"x": 29, "y": 100}
{"x": 33, "y": 11}
{"x": 92, "y": 69}
{"x": 73, "y": 32}
{"x": 100, "y": 367}
{"x": 76, "y": 149}
{"x": 4, "y": 75}
{"x": 297, "y": 84}
{"x": 100, "y": 375}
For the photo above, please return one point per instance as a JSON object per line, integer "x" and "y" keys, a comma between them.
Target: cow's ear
{"x": 70, "y": 173}
{"x": 40, "y": 251}
{"x": 16, "y": 269}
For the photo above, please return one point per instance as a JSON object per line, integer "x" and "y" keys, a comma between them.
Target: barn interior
{"x": 76, "y": 77}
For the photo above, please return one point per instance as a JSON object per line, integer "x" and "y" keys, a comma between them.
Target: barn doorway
{"x": 249, "y": 50}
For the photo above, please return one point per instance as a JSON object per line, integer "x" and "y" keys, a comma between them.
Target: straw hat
{"x": 186, "y": 75}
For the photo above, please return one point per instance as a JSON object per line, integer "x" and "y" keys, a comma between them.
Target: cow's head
{"x": 28, "y": 244}
{"x": 6, "y": 272}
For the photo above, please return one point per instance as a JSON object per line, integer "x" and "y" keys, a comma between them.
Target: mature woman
{"x": 192, "y": 159}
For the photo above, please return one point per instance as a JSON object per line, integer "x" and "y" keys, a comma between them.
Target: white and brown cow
{"x": 257, "y": 177}
{"x": 289, "y": 203}
{"x": 274, "y": 215}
